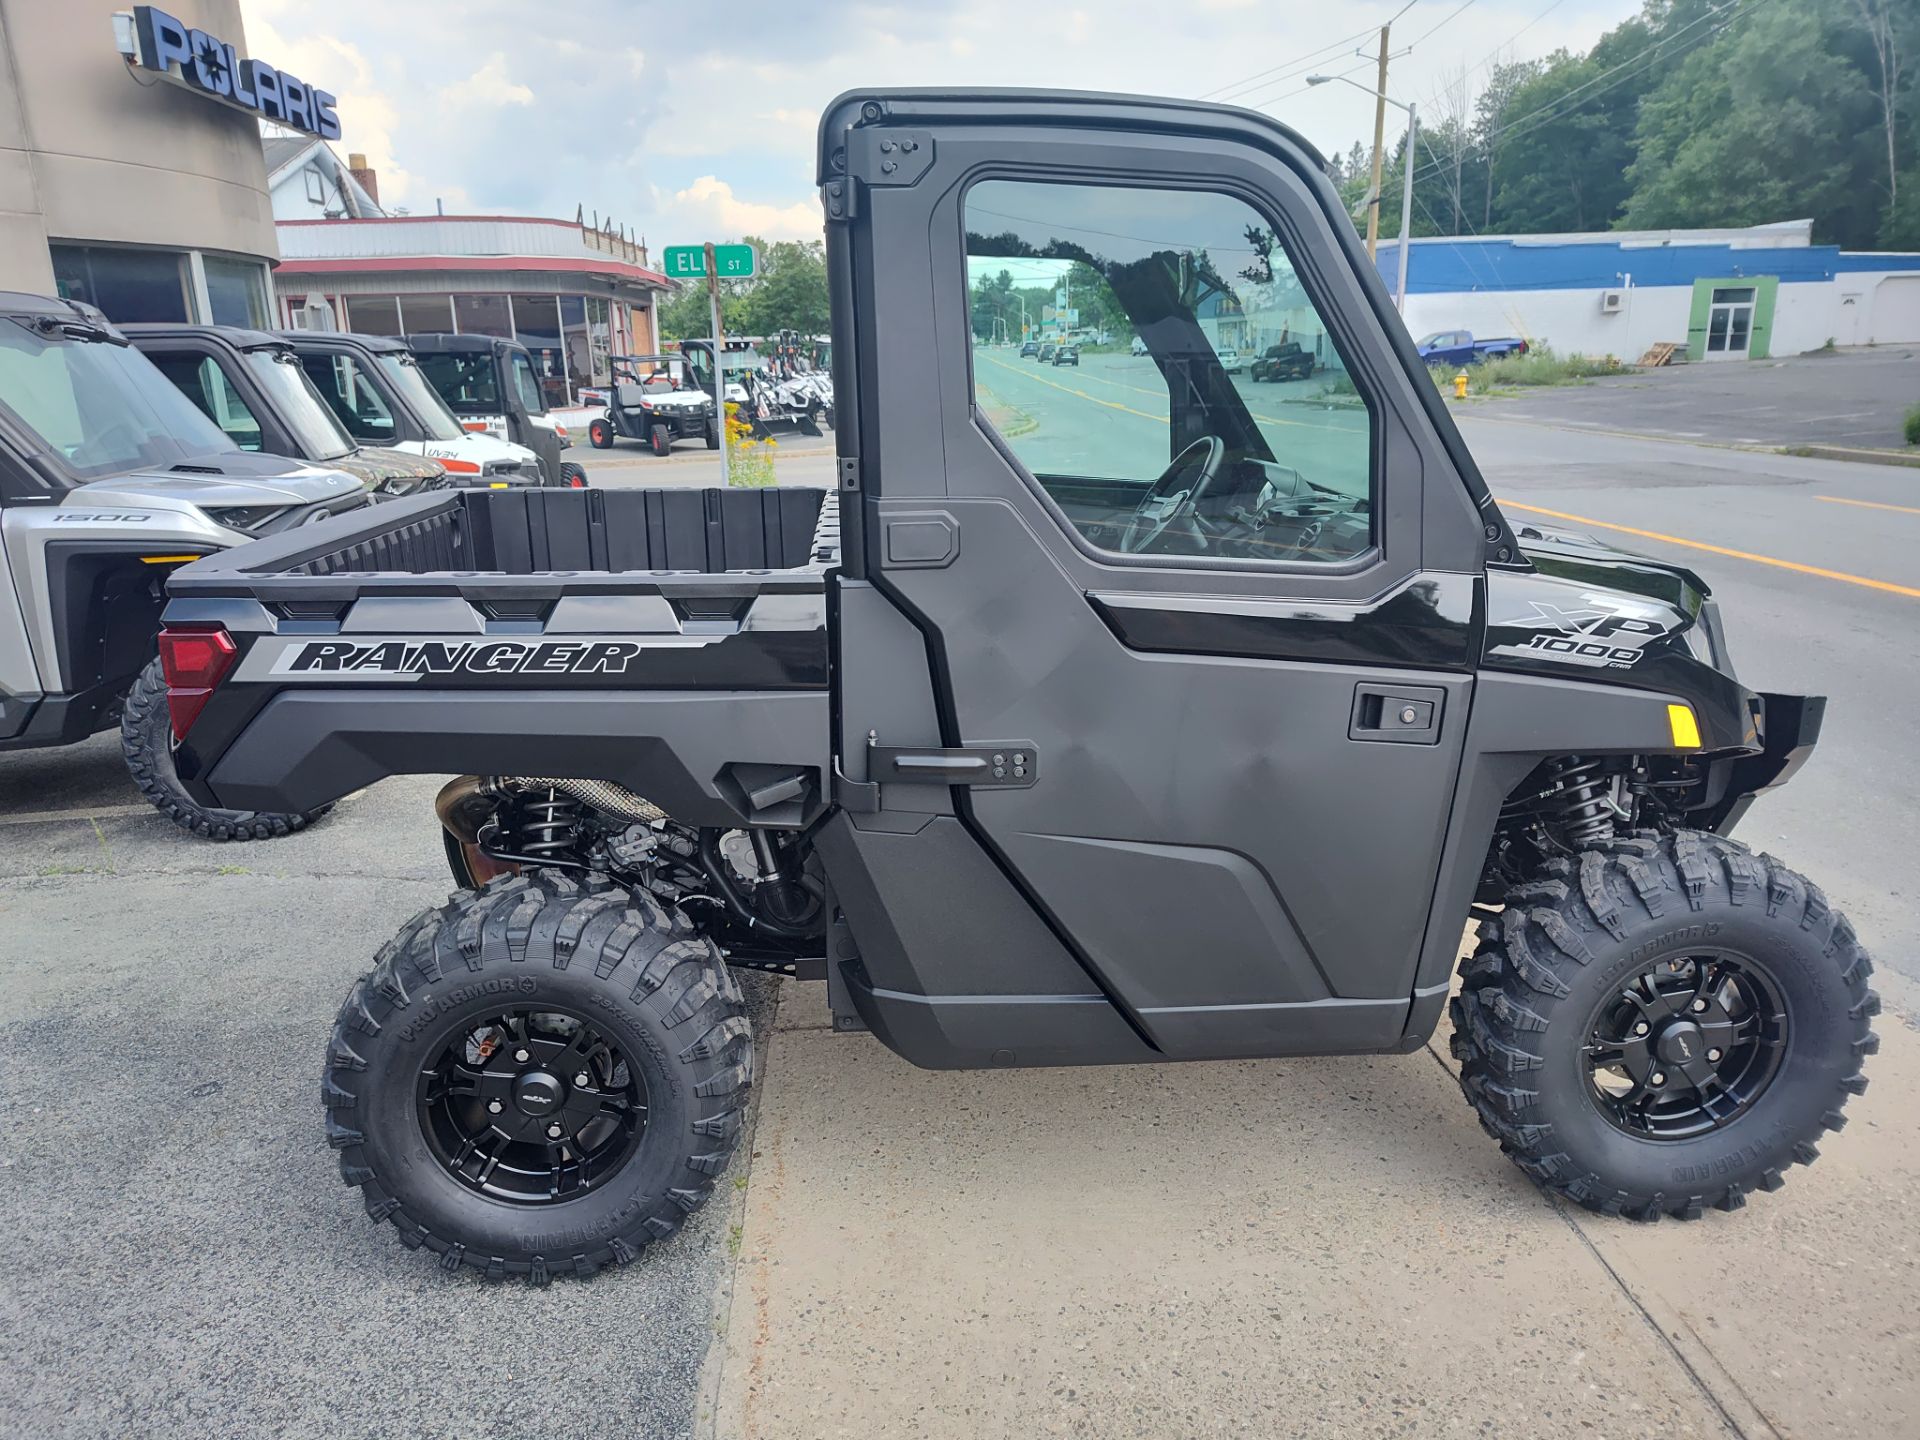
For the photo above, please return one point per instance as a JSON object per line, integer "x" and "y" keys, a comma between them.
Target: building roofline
{"x": 543, "y": 263}
{"x": 423, "y": 219}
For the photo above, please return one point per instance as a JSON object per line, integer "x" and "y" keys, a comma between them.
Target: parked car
{"x": 490, "y": 383}
{"x": 1230, "y": 360}
{"x": 1458, "y": 347}
{"x": 1016, "y": 798}
{"x": 1067, "y": 355}
{"x": 1286, "y": 361}
{"x": 1029, "y": 347}
{"x": 252, "y": 386}
{"x": 1139, "y": 346}
{"x": 375, "y": 389}
{"x": 110, "y": 478}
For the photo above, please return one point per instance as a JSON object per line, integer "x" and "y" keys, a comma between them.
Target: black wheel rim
{"x": 531, "y": 1105}
{"x": 1686, "y": 1046}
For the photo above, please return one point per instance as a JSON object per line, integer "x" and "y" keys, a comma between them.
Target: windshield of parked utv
{"x": 1138, "y": 409}
{"x": 465, "y": 380}
{"x": 299, "y": 405}
{"x": 99, "y": 408}
{"x": 403, "y": 373}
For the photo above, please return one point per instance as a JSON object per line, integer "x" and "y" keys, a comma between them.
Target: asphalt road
{"x": 184, "y": 1260}
{"x": 1847, "y": 397}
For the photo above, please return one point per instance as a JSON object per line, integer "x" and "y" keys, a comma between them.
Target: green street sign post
{"x": 715, "y": 263}
{"x": 731, "y": 262}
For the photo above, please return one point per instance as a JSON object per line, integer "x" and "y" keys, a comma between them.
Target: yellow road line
{"x": 1841, "y": 575}
{"x": 1867, "y": 504}
{"x": 1069, "y": 390}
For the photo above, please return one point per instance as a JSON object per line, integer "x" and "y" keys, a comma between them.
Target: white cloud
{"x": 488, "y": 85}
{"x": 709, "y": 208}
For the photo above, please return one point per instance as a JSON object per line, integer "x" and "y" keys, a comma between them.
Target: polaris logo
{"x": 413, "y": 658}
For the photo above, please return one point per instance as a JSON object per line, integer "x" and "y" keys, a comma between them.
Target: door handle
{"x": 1396, "y": 714}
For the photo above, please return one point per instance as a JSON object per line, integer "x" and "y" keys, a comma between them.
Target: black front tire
{"x": 660, "y": 438}
{"x": 713, "y": 435}
{"x": 1567, "y": 944}
{"x": 146, "y": 739}
{"x": 657, "y": 990}
{"x": 573, "y": 475}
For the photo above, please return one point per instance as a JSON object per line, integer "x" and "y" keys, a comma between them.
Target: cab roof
{"x": 240, "y": 337}
{"x": 341, "y": 340}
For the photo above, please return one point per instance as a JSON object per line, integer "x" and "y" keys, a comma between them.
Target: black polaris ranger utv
{"x": 1064, "y": 735}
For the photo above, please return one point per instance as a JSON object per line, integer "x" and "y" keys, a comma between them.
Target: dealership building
{"x": 1734, "y": 294}
{"x": 138, "y": 188}
{"x": 572, "y": 293}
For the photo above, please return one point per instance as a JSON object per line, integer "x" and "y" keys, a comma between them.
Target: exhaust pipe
{"x": 464, "y": 802}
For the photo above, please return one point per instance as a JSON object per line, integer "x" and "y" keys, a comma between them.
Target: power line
{"x": 1291, "y": 67}
{"x": 1454, "y": 16}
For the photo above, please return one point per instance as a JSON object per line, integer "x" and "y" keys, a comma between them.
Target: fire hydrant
{"x": 1460, "y": 386}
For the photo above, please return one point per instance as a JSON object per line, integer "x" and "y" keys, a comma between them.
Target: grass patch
{"x": 1913, "y": 426}
{"x": 1539, "y": 366}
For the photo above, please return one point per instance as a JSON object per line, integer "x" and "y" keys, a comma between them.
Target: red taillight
{"x": 474, "y": 427}
{"x": 195, "y": 659}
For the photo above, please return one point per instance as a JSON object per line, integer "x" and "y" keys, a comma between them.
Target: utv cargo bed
{"x": 607, "y": 633}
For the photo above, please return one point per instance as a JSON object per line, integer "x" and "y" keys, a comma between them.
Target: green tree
{"x": 790, "y": 292}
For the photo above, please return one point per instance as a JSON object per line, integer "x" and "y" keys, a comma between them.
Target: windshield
{"x": 465, "y": 380}
{"x": 299, "y": 406}
{"x": 405, "y": 375}
{"x": 98, "y": 407}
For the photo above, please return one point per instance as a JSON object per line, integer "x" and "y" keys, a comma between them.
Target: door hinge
{"x": 1002, "y": 765}
{"x": 850, "y": 472}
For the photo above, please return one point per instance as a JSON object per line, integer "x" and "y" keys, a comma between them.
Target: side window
{"x": 528, "y": 385}
{"x": 201, "y": 380}
{"x": 351, "y": 397}
{"x": 1147, "y": 442}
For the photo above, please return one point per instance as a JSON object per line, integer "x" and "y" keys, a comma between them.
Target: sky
{"x": 696, "y": 121}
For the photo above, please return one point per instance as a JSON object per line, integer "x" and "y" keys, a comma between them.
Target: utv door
{"x": 1201, "y": 655}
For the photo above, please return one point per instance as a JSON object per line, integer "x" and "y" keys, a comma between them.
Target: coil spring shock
{"x": 1586, "y": 809}
{"x": 549, "y": 825}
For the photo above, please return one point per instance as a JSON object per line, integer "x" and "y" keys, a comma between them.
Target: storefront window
{"x": 573, "y": 339}
{"x": 129, "y": 285}
{"x": 426, "y": 314}
{"x": 600, "y": 338}
{"x": 372, "y": 314}
{"x": 536, "y": 320}
{"x": 483, "y": 315}
{"x": 236, "y": 291}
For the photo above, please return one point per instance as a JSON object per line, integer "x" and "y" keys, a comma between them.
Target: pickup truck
{"x": 1089, "y": 730}
{"x": 1458, "y": 347}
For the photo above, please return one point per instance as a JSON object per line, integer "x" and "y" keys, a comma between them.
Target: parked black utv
{"x": 1123, "y": 731}
{"x": 491, "y": 384}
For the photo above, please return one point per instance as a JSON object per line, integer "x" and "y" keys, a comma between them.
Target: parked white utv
{"x": 110, "y": 478}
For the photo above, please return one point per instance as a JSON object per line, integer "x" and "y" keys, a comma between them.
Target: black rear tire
{"x": 1565, "y": 952}
{"x": 146, "y": 739}
{"x": 573, "y": 475}
{"x": 600, "y": 434}
{"x": 548, "y": 943}
{"x": 660, "y": 438}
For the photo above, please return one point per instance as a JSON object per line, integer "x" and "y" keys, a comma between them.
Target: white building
{"x": 1730, "y": 294}
{"x": 308, "y": 181}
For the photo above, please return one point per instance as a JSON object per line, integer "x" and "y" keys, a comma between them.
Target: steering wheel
{"x": 1178, "y": 491}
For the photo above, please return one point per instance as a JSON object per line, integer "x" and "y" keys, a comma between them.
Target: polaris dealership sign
{"x": 156, "y": 41}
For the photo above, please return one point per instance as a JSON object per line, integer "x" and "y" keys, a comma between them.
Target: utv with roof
{"x": 375, "y": 389}
{"x": 491, "y": 384}
{"x": 110, "y": 478}
{"x": 654, "y": 399}
{"x": 1064, "y": 730}
{"x": 252, "y": 386}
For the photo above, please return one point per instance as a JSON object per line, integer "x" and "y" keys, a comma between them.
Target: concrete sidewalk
{"x": 1313, "y": 1248}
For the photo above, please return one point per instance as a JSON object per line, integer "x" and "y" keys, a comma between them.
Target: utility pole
{"x": 719, "y": 364}
{"x": 1379, "y": 145}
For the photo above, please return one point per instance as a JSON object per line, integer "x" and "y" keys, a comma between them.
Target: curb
{"x": 1907, "y": 458}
